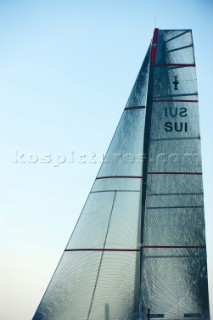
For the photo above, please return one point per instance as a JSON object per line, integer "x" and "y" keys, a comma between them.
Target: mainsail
{"x": 138, "y": 249}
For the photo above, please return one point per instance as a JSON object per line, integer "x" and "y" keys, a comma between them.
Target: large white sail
{"x": 138, "y": 249}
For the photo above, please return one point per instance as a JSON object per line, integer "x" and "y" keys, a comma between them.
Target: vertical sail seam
{"x": 102, "y": 255}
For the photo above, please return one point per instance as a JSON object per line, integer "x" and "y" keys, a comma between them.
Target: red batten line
{"x": 192, "y": 173}
{"x": 102, "y": 249}
{"x": 115, "y": 177}
{"x": 175, "y": 65}
{"x": 134, "y": 108}
{"x": 175, "y": 247}
{"x": 153, "y": 53}
{"x": 175, "y": 100}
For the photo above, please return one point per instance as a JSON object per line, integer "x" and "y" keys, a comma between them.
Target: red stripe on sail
{"x": 104, "y": 249}
{"x": 115, "y": 177}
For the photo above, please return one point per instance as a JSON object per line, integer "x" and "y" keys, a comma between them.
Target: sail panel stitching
{"x": 176, "y": 65}
{"x": 171, "y": 247}
{"x": 178, "y": 138}
{"x": 188, "y": 173}
{"x": 174, "y": 100}
{"x": 175, "y": 194}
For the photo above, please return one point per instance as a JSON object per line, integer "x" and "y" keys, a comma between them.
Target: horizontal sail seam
{"x": 172, "y": 247}
{"x": 179, "y": 65}
{"x": 177, "y": 138}
{"x": 175, "y": 207}
{"x": 188, "y": 173}
{"x": 175, "y": 194}
{"x": 174, "y": 100}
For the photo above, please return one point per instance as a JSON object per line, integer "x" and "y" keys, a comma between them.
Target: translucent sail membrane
{"x": 138, "y": 96}
{"x": 98, "y": 275}
{"x": 174, "y": 269}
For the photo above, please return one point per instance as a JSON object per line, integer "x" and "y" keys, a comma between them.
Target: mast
{"x": 146, "y": 145}
{"x": 147, "y": 129}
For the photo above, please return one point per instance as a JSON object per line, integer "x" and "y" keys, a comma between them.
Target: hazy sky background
{"x": 66, "y": 70}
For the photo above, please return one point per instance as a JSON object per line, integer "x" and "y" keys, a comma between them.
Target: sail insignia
{"x": 175, "y": 83}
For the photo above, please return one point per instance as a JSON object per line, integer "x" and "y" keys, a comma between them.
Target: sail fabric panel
{"x": 124, "y": 156}
{"x": 161, "y": 200}
{"x": 175, "y": 283}
{"x": 70, "y": 291}
{"x": 175, "y": 155}
{"x": 75, "y": 293}
{"x": 90, "y": 230}
{"x": 175, "y": 226}
{"x": 124, "y": 230}
{"x": 138, "y": 96}
{"x": 175, "y": 48}
{"x": 174, "y": 280}
{"x": 88, "y": 281}
{"x": 165, "y": 78}
{"x": 118, "y": 184}
{"x": 109, "y": 219}
{"x": 117, "y": 287}
{"x": 166, "y": 183}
